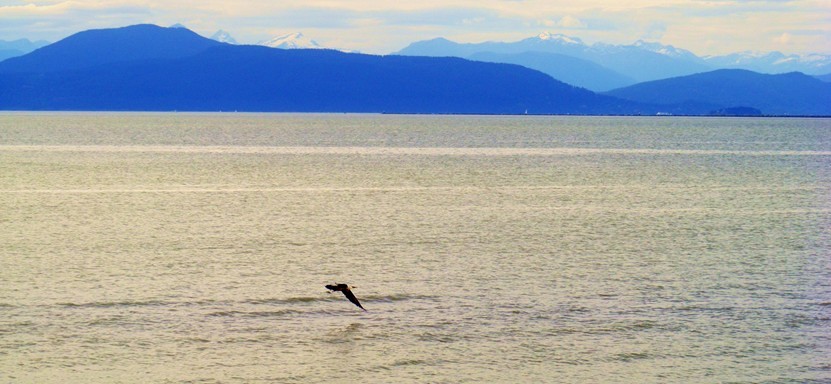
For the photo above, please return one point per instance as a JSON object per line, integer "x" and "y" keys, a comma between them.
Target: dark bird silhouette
{"x": 346, "y": 292}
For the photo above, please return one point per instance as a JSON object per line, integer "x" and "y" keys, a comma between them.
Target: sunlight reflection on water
{"x": 170, "y": 248}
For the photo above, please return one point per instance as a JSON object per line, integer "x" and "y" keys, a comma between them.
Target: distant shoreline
{"x": 397, "y": 114}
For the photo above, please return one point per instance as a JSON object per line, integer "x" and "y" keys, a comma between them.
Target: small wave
{"x": 254, "y": 314}
{"x": 578, "y": 309}
{"x": 566, "y": 330}
{"x": 630, "y": 356}
{"x": 640, "y": 325}
{"x": 196, "y": 340}
{"x": 403, "y": 363}
{"x": 615, "y": 327}
{"x": 441, "y": 337}
{"x": 397, "y": 297}
{"x": 106, "y": 321}
{"x": 290, "y": 300}
{"x": 111, "y": 304}
{"x": 704, "y": 308}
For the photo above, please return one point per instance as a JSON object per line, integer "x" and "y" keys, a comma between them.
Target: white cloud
{"x": 571, "y": 22}
{"x": 655, "y": 31}
{"x": 565, "y": 22}
{"x": 31, "y": 9}
{"x": 783, "y": 39}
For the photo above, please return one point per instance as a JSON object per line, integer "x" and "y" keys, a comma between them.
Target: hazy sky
{"x": 384, "y": 26}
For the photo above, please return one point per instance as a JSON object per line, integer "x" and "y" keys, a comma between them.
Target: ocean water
{"x": 193, "y": 248}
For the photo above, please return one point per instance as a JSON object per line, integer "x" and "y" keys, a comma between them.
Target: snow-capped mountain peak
{"x": 291, "y": 41}
{"x": 815, "y": 58}
{"x": 666, "y": 50}
{"x": 548, "y": 36}
{"x": 773, "y": 62}
{"x": 746, "y": 57}
{"x": 223, "y": 37}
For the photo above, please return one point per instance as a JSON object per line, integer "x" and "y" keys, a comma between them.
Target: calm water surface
{"x": 193, "y": 248}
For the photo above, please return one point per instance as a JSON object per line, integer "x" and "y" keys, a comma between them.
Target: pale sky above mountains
{"x": 706, "y": 27}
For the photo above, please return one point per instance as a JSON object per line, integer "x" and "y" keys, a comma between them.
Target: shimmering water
{"x": 194, "y": 248}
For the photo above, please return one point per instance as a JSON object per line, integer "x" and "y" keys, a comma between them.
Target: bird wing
{"x": 349, "y": 295}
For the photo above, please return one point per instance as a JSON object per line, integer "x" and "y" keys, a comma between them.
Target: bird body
{"x": 347, "y": 291}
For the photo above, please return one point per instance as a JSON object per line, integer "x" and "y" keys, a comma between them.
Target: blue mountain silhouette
{"x": 568, "y": 69}
{"x": 105, "y": 46}
{"x": 630, "y": 62}
{"x": 784, "y": 94}
{"x": 146, "y": 67}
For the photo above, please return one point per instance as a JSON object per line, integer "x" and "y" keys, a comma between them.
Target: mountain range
{"x": 577, "y": 63}
{"x": 598, "y": 67}
{"x": 607, "y": 66}
{"x": 783, "y": 94}
{"x": 146, "y": 67}
{"x": 772, "y": 62}
{"x": 18, "y": 47}
{"x": 565, "y": 68}
{"x": 626, "y": 62}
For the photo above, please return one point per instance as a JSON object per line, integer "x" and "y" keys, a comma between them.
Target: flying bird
{"x": 347, "y": 291}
